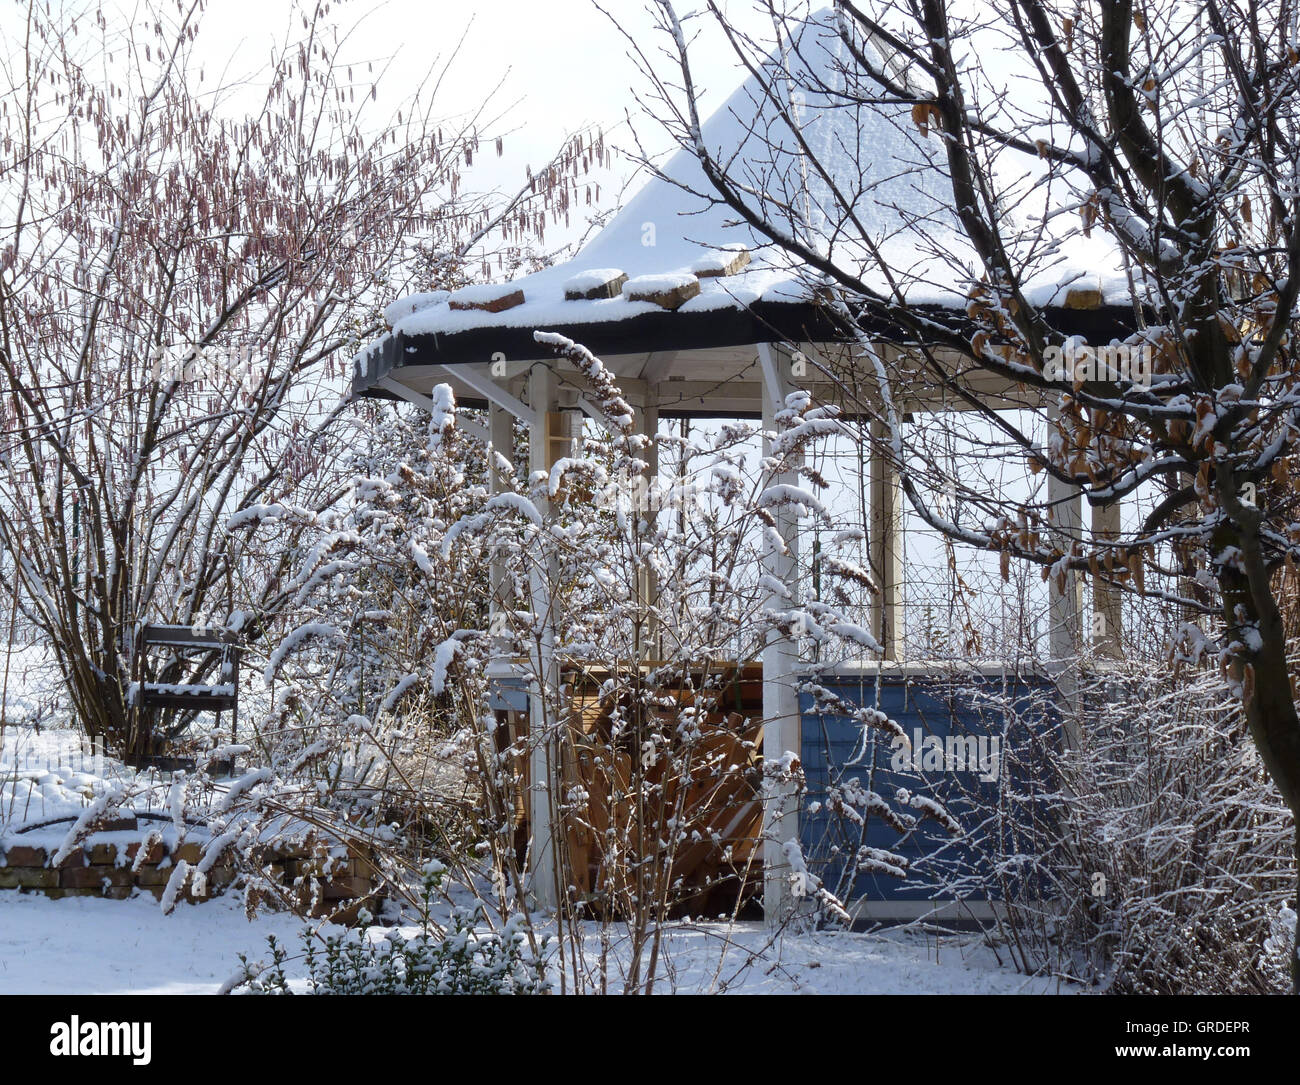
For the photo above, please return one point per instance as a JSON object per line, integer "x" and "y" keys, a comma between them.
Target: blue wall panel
{"x": 836, "y": 750}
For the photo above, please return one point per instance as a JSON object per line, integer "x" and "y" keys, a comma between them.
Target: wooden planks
{"x": 622, "y": 828}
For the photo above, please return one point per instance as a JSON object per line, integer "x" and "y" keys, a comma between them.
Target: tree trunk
{"x": 1267, "y": 694}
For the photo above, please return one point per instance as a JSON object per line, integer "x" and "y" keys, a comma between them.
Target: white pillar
{"x": 886, "y": 544}
{"x": 501, "y": 432}
{"x": 543, "y": 725}
{"x": 781, "y": 724}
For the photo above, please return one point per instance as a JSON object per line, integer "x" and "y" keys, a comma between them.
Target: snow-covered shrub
{"x": 360, "y": 679}
{"x": 463, "y": 959}
{"x": 1156, "y": 858}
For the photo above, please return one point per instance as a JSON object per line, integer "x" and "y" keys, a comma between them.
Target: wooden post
{"x": 1066, "y": 518}
{"x": 1107, "y": 600}
{"x": 781, "y": 723}
{"x": 1065, "y": 606}
{"x": 544, "y": 444}
{"x": 647, "y": 423}
{"x": 885, "y": 545}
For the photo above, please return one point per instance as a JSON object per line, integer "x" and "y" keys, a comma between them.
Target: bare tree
{"x": 185, "y": 272}
{"x": 1169, "y": 132}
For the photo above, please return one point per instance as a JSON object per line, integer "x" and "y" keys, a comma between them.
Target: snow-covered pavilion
{"x": 698, "y": 314}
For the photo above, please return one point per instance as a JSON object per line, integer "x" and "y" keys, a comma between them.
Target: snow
{"x": 291, "y": 642}
{"x": 442, "y": 659}
{"x": 223, "y": 689}
{"x": 413, "y": 303}
{"x": 236, "y": 789}
{"x": 563, "y": 466}
{"x": 657, "y": 284}
{"x": 855, "y": 633}
{"x": 48, "y": 775}
{"x": 175, "y": 885}
{"x": 442, "y": 416}
{"x": 255, "y": 513}
{"x": 86, "y": 945}
{"x": 481, "y": 293}
{"x": 92, "y": 945}
{"x": 109, "y": 800}
{"x": 395, "y": 694}
{"x": 804, "y": 501}
{"x": 665, "y": 230}
{"x": 717, "y": 262}
{"x": 839, "y": 962}
{"x": 421, "y": 557}
{"x": 774, "y": 587}
{"x": 515, "y": 503}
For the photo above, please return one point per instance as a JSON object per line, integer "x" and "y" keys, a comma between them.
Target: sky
{"x": 552, "y": 67}
{"x": 547, "y": 68}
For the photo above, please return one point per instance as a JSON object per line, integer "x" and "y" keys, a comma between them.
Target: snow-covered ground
{"x": 88, "y": 946}
{"x": 838, "y": 962}
{"x": 83, "y": 945}
{"x": 51, "y": 773}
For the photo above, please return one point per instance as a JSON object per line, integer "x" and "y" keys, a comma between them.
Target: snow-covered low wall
{"x": 312, "y": 876}
{"x": 103, "y": 869}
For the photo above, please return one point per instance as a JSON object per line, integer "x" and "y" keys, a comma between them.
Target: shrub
{"x": 462, "y": 960}
{"x": 1164, "y": 865}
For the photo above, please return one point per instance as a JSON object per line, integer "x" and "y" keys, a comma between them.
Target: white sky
{"x": 550, "y": 68}
{"x": 560, "y": 64}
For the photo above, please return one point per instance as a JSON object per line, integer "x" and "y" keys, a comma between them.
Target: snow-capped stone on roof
{"x": 490, "y": 297}
{"x": 404, "y": 307}
{"x": 601, "y": 282}
{"x": 1084, "y": 297}
{"x": 725, "y": 261}
{"x": 667, "y": 291}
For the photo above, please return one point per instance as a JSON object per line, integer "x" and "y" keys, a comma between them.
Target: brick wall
{"x": 311, "y": 876}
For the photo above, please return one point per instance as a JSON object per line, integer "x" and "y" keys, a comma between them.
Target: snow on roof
{"x": 894, "y": 173}
{"x": 404, "y": 307}
{"x": 591, "y": 279}
{"x": 651, "y": 284}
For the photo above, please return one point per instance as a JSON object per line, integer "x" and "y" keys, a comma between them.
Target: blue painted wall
{"x": 835, "y": 748}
